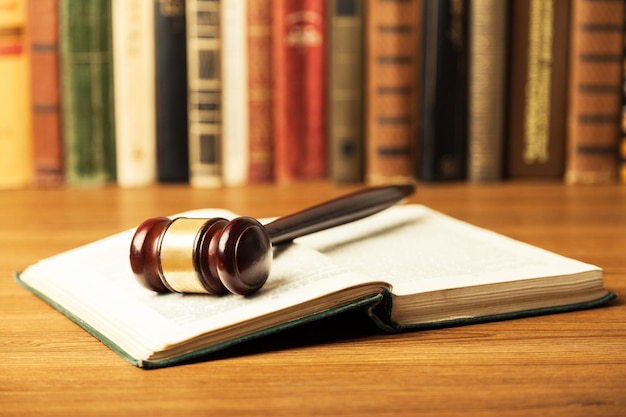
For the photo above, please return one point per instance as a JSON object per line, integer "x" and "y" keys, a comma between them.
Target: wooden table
{"x": 568, "y": 364}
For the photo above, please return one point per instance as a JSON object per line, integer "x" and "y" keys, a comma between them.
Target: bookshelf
{"x": 368, "y": 100}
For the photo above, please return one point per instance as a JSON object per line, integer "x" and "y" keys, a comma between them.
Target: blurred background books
{"x": 226, "y": 93}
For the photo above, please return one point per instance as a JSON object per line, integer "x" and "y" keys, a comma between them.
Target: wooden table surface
{"x": 568, "y": 364}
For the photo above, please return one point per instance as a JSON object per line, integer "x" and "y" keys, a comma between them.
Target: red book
{"x": 299, "y": 85}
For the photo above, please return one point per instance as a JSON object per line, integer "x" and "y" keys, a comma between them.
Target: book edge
{"x": 202, "y": 353}
{"x": 380, "y": 313}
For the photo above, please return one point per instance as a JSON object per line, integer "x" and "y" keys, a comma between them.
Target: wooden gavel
{"x": 214, "y": 256}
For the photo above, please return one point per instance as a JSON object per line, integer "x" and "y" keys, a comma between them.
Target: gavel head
{"x": 211, "y": 256}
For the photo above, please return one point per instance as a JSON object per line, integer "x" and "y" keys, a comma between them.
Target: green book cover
{"x": 86, "y": 74}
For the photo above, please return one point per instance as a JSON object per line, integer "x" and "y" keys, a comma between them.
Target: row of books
{"x": 522, "y": 89}
{"x": 222, "y": 93}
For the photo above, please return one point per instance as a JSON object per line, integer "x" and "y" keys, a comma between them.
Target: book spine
{"x": 345, "y": 89}
{"x": 260, "y": 131}
{"x": 170, "y": 72}
{"x": 234, "y": 50}
{"x": 134, "y": 87}
{"x": 205, "y": 93}
{"x": 538, "y": 88}
{"x": 88, "y": 127}
{"x": 46, "y": 118}
{"x": 443, "y": 134}
{"x": 393, "y": 42}
{"x": 595, "y": 91}
{"x": 488, "y": 30}
{"x": 298, "y": 54}
{"x": 15, "y": 114}
{"x": 622, "y": 141}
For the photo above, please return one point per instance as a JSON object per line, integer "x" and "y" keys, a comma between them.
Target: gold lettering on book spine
{"x": 537, "y": 120}
{"x": 172, "y": 7}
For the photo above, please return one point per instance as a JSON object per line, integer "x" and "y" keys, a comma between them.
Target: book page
{"x": 95, "y": 282}
{"x": 418, "y": 249}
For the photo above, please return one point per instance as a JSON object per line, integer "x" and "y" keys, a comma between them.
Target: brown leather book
{"x": 260, "y": 91}
{"x": 596, "y": 52}
{"x": 392, "y": 72}
{"x": 44, "y": 60}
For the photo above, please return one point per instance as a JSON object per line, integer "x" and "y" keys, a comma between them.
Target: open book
{"x": 408, "y": 267}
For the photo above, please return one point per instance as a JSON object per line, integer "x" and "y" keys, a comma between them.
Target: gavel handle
{"x": 336, "y": 212}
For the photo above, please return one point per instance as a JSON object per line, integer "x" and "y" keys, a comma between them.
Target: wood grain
{"x": 569, "y": 364}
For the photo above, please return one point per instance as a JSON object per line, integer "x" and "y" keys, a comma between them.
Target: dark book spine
{"x": 443, "y": 133}
{"x": 171, "y": 91}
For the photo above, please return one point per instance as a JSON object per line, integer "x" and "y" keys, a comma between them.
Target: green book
{"x": 408, "y": 267}
{"x": 86, "y": 76}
